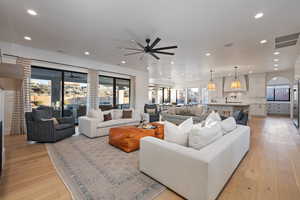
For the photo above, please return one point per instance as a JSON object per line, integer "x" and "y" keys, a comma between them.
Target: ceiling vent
{"x": 286, "y": 40}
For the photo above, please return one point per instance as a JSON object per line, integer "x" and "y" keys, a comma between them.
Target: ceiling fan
{"x": 149, "y": 49}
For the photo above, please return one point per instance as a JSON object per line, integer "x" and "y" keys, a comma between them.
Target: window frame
{"x": 115, "y": 89}
{"x": 274, "y": 94}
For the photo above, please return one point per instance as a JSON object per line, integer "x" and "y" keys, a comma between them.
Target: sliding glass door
{"x": 46, "y": 89}
{"x": 64, "y": 91}
{"x": 75, "y": 94}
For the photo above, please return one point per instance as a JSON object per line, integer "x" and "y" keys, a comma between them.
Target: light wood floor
{"x": 270, "y": 171}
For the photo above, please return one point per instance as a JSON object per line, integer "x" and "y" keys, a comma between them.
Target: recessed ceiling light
{"x": 172, "y": 62}
{"x": 27, "y": 38}
{"x": 148, "y": 68}
{"x": 123, "y": 62}
{"x": 250, "y": 72}
{"x": 31, "y": 12}
{"x": 274, "y": 78}
{"x": 207, "y": 54}
{"x": 263, "y": 41}
{"x": 275, "y": 65}
{"x": 258, "y": 15}
{"x": 276, "y": 60}
{"x": 86, "y": 53}
{"x": 276, "y": 53}
{"x": 275, "y": 68}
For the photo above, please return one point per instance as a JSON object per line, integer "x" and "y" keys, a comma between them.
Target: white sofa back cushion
{"x": 212, "y": 117}
{"x": 200, "y": 137}
{"x": 178, "y": 134}
{"x": 95, "y": 114}
{"x": 228, "y": 125}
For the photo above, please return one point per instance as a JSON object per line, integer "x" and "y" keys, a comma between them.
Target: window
{"x": 114, "y": 92}
{"x": 122, "y": 92}
{"x": 278, "y": 93}
{"x": 193, "y": 96}
{"x": 173, "y": 96}
{"x": 181, "y": 96}
{"x": 152, "y": 94}
{"x": 46, "y": 88}
{"x": 166, "y": 94}
{"x": 75, "y": 94}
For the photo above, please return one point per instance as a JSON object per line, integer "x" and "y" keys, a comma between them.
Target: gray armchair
{"x": 41, "y": 128}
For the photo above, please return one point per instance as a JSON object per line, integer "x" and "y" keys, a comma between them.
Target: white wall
{"x": 141, "y": 77}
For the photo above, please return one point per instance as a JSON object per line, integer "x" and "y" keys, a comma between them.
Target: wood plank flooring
{"x": 270, "y": 171}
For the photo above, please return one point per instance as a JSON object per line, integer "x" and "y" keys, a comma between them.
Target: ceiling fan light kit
{"x": 149, "y": 49}
{"x": 236, "y": 83}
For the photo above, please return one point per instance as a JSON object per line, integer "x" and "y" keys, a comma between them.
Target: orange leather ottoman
{"x": 159, "y": 131}
{"x": 128, "y": 138}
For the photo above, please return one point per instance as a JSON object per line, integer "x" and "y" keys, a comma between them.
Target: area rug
{"x": 93, "y": 169}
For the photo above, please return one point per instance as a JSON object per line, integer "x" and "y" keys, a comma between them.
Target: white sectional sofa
{"x": 93, "y": 125}
{"x": 195, "y": 174}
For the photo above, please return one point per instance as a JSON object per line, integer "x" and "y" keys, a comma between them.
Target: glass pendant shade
{"x": 211, "y": 85}
{"x": 236, "y": 83}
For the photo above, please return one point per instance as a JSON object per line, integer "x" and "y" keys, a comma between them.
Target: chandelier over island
{"x": 236, "y": 83}
{"x": 211, "y": 85}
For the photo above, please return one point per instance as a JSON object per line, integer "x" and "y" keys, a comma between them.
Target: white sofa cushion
{"x": 200, "y": 137}
{"x": 116, "y": 122}
{"x": 96, "y": 113}
{"x": 212, "y": 117}
{"x": 178, "y": 134}
{"x": 228, "y": 125}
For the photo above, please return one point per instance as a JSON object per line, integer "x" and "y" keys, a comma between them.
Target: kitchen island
{"x": 227, "y": 109}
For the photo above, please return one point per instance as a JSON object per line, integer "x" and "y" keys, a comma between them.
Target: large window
{"x": 181, "y": 96}
{"x": 193, "y": 96}
{"x": 278, "y": 93}
{"x": 173, "y": 96}
{"x": 64, "y": 91}
{"x": 75, "y": 94}
{"x": 114, "y": 92}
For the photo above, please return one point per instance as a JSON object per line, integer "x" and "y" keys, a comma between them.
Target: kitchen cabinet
{"x": 257, "y": 85}
{"x": 258, "y": 109}
{"x": 281, "y": 108}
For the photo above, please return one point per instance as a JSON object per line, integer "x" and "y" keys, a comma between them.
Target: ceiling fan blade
{"x": 164, "y": 48}
{"x": 155, "y": 56}
{"x": 167, "y": 53}
{"x": 155, "y": 43}
{"x": 128, "y": 54}
{"x": 140, "y": 45}
{"x": 134, "y": 49}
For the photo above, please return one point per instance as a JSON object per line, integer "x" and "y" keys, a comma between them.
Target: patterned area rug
{"x": 93, "y": 169}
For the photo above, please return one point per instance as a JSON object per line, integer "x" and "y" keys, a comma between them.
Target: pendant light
{"x": 235, "y": 84}
{"x": 211, "y": 85}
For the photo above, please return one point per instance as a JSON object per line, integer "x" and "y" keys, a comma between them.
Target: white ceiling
{"x": 197, "y": 27}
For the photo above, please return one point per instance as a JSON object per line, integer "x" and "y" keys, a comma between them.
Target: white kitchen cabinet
{"x": 258, "y": 109}
{"x": 228, "y": 81}
{"x": 281, "y": 108}
{"x": 257, "y": 85}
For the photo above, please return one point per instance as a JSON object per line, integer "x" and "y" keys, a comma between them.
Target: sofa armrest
{"x": 178, "y": 167}
{"x": 88, "y": 126}
{"x": 66, "y": 120}
{"x": 43, "y": 131}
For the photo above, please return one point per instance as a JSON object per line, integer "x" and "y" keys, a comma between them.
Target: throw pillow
{"x": 55, "y": 122}
{"x": 107, "y": 117}
{"x": 178, "y": 134}
{"x": 228, "y": 125}
{"x": 40, "y": 114}
{"x": 151, "y": 111}
{"x": 127, "y": 114}
{"x": 212, "y": 117}
{"x": 200, "y": 137}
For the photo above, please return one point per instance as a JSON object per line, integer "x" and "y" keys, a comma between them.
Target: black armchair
{"x": 41, "y": 128}
{"x": 240, "y": 117}
{"x": 153, "y": 112}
